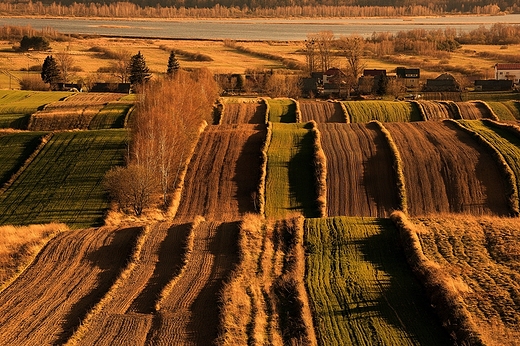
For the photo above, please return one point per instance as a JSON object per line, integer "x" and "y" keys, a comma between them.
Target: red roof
{"x": 507, "y": 66}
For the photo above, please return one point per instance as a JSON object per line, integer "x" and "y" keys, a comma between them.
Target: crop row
{"x": 64, "y": 180}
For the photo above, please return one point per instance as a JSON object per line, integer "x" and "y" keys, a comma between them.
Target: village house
{"x": 508, "y": 72}
{"x": 410, "y": 76}
{"x": 443, "y": 83}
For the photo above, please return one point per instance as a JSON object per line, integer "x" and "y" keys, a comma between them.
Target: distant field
{"x": 16, "y": 106}
{"x": 361, "y": 290}
{"x": 384, "y": 111}
{"x": 64, "y": 181}
{"x": 282, "y": 110}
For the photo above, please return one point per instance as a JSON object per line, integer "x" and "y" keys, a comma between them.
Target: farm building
{"x": 508, "y": 72}
{"x": 410, "y": 76}
{"x": 493, "y": 85}
{"x": 444, "y": 83}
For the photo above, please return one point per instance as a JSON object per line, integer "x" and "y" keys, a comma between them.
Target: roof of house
{"x": 507, "y": 66}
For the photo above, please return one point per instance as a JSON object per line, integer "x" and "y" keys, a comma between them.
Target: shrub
{"x": 34, "y": 83}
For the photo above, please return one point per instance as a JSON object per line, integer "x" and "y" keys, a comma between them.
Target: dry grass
{"x": 476, "y": 260}
{"x": 320, "y": 169}
{"x": 19, "y": 246}
{"x": 398, "y": 166}
{"x": 265, "y": 301}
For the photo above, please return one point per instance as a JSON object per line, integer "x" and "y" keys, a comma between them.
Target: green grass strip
{"x": 63, "y": 182}
{"x": 290, "y": 178}
{"x": 112, "y": 116}
{"x": 15, "y": 148}
{"x": 361, "y": 289}
{"x": 384, "y": 111}
{"x": 502, "y": 110}
{"x": 282, "y": 110}
{"x": 27, "y": 102}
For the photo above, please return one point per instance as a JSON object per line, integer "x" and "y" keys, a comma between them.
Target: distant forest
{"x": 258, "y": 8}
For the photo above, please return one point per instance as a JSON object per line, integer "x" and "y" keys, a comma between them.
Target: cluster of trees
{"x": 164, "y": 130}
{"x": 34, "y": 43}
{"x": 253, "y": 8}
{"x": 127, "y": 68}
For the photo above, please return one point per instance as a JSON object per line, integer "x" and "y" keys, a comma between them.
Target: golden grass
{"x": 19, "y": 245}
{"x": 320, "y": 169}
{"x": 398, "y": 167}
{"x": 476, "y": 261}
{"x": 265, "y": 301}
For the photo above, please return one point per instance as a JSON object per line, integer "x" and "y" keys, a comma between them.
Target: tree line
{"x": 254, "y": 8}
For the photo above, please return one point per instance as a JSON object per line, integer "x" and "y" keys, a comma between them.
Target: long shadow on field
{"x": 380, "y": 178}
{"x": 27, "y": 151}
{"x": 168, "y": 266}
{"x": 111, "y": 258}
{"x": 203, "y": 326}
{"x": 403, "y": 302}
{"x": 302, "y": 177}
{"x": 247, "y": 172}
{"x": 259, "y": 115}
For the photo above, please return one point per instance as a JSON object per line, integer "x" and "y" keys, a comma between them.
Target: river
{"x": 256, "y": 29}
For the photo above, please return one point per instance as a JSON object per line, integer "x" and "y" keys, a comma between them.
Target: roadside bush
{"x": 34, "y": 83}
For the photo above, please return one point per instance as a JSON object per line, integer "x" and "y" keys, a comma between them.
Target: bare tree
{"x": 353, "y": 47}
{"x": 311, "y": 54}
{"x": 121, "y": 66}
{"x": 65, "y": 63}
{"x": 324, "y": 41}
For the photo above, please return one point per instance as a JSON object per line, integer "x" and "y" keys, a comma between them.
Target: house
{"x": 111, "y": 88}
{"x": 493, "y": 85}
{"x": 443, "y": 83}
{"x": 508, "y": 72}
{"x": 370, "y": 80}
{"x": 334, "y": 82}
{"x": 410, "y": 76}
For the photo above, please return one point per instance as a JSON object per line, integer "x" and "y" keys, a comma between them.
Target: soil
{"x": 322, "y": 112}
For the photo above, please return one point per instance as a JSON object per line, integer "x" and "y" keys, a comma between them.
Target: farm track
{"x": 189, "y": 314}
{"x": 474, "y": 111}
{"x": 322, "y": 112}
{"x": 360, "y": 177}
{"x": 223, "y": 173}
{"x": 244, "y": 113}
{"x": 446, "y": 171}
{"x": 70, "y": 275}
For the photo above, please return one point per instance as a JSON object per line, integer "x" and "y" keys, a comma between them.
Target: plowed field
{"x": 360, "y": 177}
{"x": 322, "y": 112}
{"x": 71, "y": 274}
{"x": 438, "y": 110}
{"x": 224, "y": 173}
{"x": 244, "y": 113}
{"x": 189, "y": 314}
{"x": 446, "y": 171}
{"x": 473, "y": 110}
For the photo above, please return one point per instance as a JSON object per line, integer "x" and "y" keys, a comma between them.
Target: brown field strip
{"x": 322, "y": 112}
{"x": 447, "y": 171}
{"x": 189, "y": 314}
{"x": 360, "y": 177}
{"x": 474, "y": 111}
{"x": 129, "y": 313}
{"x": 438, "y": 110}
{"x": 224, "y": 173}
{"x": 244, "y": 113}
{"x": 70, "y": 275}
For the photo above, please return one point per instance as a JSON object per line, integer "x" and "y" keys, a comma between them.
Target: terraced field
{"x": 360, "y": 178}
{"x": 439, "y": 110}
{"x": 282, "y": 110}
{"x": 322, "y": 112}
{"x": 474, "y": 110}
{"x": 64, "y": 180}
{"x": 384, "y": 111}
{"x": 250, "y": 112}
{"x": 505, "y": 111}
{"x": 224, "y": 173}
{"x": 445, "y": 170}
{"x": 361, "y": 289}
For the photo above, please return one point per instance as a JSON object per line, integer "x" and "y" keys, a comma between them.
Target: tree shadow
{"x": 111, "y": 259}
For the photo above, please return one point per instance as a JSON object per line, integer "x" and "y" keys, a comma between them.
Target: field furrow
{"x": 447, "y": 171}
{"x": 244, "y": 113}
{"x": 224, "y": 173}
{"x": 71, "y": 274}
{"x": 132, "y": 304}
{"x": 473, "y": 111}
{"x": 361, "y": 290}
{"x": 189, "y": 314}
{"x": 360, "y": 177}
{"x": 437, "y": 110}
{"x": 322, "y": 112}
